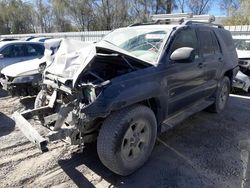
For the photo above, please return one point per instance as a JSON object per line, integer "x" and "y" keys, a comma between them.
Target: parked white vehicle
{"x": 242, "y": 79}
{"x": 23, "y": 78}
{"x": 12, "y": 52}
{"x": 39, "y": 39}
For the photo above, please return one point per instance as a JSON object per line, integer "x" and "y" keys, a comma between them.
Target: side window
{"x": 209, "y": 43}
{"x": 186, "y": 38}
{"x": 8, "y": 52}
{"x": 15, "y": 50}
{"x": 216, "y": 45}
{"x": 35, "y": 50}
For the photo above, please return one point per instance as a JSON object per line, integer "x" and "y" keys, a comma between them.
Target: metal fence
{"x": 98, "y": 35}
{"x": 84, "y": 36}
{"x": 239, "y": 29}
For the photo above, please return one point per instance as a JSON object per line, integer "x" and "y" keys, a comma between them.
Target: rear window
{"x": 209, "y": 43}
{"x": 226, "y": 37}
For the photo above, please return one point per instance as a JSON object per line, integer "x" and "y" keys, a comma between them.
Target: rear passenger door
{"x": 212, "y": 57}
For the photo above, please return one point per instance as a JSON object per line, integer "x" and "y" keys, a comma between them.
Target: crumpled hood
{"x": 74, "y": 56}
{"x": 24, "y": 68}
{"x": 70, "y": 57}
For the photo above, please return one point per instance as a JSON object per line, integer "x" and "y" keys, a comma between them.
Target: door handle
{"x": 220, "y": 59}
{"x": 201, "y": 65}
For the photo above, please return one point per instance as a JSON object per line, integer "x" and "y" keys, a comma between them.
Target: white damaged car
{"x": 242, "y": 79}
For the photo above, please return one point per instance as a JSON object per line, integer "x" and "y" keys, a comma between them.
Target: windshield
{"x": 143, "y": 43}
{"x": 242, "y": 44}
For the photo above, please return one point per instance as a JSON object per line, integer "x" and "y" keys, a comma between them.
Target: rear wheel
{"x": 127, "y": 138}
{"x": 222, "y": 95}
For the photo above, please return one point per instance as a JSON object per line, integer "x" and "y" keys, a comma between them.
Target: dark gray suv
{"x": 136, "y": 83}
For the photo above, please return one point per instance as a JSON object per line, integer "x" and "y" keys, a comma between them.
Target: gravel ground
{"x": 206, "y": 150}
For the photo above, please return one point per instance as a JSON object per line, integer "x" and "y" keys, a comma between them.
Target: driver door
{"x": 185, "y": 79}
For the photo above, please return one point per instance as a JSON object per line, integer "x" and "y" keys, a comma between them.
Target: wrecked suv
{"x": 136, "y": 83}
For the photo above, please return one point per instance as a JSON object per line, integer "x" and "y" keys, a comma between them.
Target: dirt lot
{"x": 207, "y": 150}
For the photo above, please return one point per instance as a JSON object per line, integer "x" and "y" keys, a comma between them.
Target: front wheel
{"x": 221, "y": 96}
{"x": 127, "y": 138}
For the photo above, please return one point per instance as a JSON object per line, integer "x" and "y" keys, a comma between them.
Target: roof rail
{"x": 157, "y": 17}
{"x": 181, "y": 18}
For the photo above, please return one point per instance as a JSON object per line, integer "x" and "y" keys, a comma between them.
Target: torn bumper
{"x": 29, "y": 131}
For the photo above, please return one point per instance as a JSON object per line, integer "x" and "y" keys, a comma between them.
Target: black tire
{"x": 119, "y": 152}
{"x": 221, "y": 96}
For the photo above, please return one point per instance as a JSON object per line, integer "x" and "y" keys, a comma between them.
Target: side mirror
{"x": 184, "y": 54}
{"x": 1, "y": 56}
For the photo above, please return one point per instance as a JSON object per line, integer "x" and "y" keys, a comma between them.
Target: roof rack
{"x": 176, "y": 16}
{"x": 181, "y": 18}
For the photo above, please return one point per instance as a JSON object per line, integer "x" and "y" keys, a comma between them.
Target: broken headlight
{"x": 42, "y": 67}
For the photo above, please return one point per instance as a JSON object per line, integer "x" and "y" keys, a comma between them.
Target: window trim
{"x": 176, "y": 35}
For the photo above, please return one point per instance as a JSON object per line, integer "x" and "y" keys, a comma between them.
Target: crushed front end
{"x": 68, "y": 103}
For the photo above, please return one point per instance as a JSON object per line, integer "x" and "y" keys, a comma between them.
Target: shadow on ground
{"x": 7, "y": 125}
{"x": 206, "y": 150}
{"x": 28, "y": 102}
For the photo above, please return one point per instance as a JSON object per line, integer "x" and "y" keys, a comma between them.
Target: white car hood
{"x": 24, "y": 68}
{"x": 243, "y": 54}
{"x": 70, "y": 58}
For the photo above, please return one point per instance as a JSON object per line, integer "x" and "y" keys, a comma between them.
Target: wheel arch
{"x": 155, "y": 105}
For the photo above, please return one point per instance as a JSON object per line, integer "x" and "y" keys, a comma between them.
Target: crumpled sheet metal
{"x": 51, "y": 47}
{"x": 71, "y": 57}
{"x": 245, "y": 81}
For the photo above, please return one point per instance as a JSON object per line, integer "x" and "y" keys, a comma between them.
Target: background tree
{"x": 229, "y": 5}
{"x": 181, "y": 5}
{"x": 110, "y": 14}
{"x": 43, "y": 15}
{"x": 61, "y": 21}
{"x": 239, "y": 15}
{"x": 198, "y": 7}
{"x": 81, "y": 12}
{"x": 16, "y": 17}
